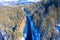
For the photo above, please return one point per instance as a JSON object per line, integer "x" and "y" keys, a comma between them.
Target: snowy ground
{"x": 22, "y": 0}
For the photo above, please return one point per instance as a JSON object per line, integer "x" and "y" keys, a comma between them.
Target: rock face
{"x": 48, "y": 17}
{"x": 45, "y": 17}
{"x": 11, "y": 18}
{"x": 43, "y": 14}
